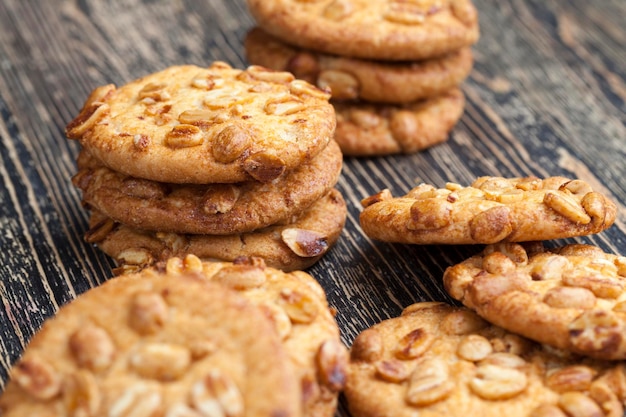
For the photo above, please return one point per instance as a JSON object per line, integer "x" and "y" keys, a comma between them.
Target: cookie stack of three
{"x": 218, "y": 162}
{"x": 393, "y": 67}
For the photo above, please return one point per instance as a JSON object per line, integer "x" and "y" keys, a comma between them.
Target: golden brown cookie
{"x": 572, "y": 297}
{"x": 382, "y": 129}
{"x": 397, "y": 30}
{"x": 491, "y": 210}
{"x": 297, "y": 305}
{"x": 436, "y": 360}
{"x": 188, "y": 124}
{"x": 287, "y": 246}
{"x": 150, "y": 344}
{"x": 208, "y": 209}
{"x": 357, "y": 79}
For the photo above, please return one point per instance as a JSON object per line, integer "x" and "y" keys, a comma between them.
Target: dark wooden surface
{"x": 547, "y": 96}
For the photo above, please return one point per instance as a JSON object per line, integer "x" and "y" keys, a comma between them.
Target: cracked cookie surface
{"x": 572, "y": 297}
{"x": 439, "y": 360}
{"x": 491, "y": 210}
{"x": 188, "y": 124}
{"x": 395, "y": 30}
{"x": 152, "y": 344}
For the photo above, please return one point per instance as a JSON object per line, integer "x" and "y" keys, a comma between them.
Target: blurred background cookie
{"x": 357, "y": 79}
{"x": 393, "y": 30}
{"x": 366, "y": 129}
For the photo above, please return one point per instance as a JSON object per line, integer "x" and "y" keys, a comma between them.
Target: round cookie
{"x": 357, "y": 79}
{"x": 287, "y": 246}
{"x": 298, "y": 307}
{"x": 208, "y": 209}
{"x": 382, "y": 129}
{"x": 396, "y": 30}
{"x": 188, "y": 124}
{"x": 571, "y": 297}
{"x": 491, "y": 210}
{"x": 151, "y": 344}
{"x": 436, "y": 360}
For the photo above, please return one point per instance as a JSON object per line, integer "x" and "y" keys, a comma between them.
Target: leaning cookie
{"x": 188, "y": 124}
{"x": 154, "y": 345}
{"x": 571, "y": 297}
{"x": 208, "y": 209}
{"x": 438, "y": 360}
{"x": 297, "y": 305}
{"x": 368, "y": 129}
{"x": 287, "y": 246}
{"x": 491, "y": 210}
{"x": 356, "y": 79}
{"x": 396, "y": 30}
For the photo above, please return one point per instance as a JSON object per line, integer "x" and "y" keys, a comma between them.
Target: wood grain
{"x": 546, "y": 97}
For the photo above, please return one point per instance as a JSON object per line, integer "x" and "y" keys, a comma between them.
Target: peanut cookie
{"x": 396, "y": 30}
{"x": 151, "y": 344}
{"x": 491, "y": 210}
{"x": 213, "y": 208}
{"x": 438, "y": 360}
{"x": 298, "y": 307}
{"x": 188, "y": 124}
{"x": 357, "y": 79}
{"x": 288, "y": 246}
{"x": 381, "y": 129}
{"x": 571, "y": 297}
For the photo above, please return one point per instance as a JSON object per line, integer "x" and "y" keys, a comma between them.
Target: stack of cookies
{"x": 217, "y": 161}
{"x": 188, "y": 338}
{"x": 393, "y": 66}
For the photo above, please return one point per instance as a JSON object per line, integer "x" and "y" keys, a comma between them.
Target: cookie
{"x": 208, "y": 209}
{"x": 438, "y": 360}
{"x": 357, "y": 79}
{"x": 571, "y": 297}
{"x": 151, "y": 344}
{"x": 366, "y": 129}
{"x": 188, "y": 124}
{"x": 396, "y": 30}
{"x": 492, "y": 209}
{"x": 298, "y": 307}
{"x": 287, "y": 246}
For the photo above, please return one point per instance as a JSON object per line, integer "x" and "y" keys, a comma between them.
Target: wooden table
{"x": 547, "y": 96}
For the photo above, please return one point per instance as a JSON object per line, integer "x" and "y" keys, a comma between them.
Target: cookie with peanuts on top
{"x": 490, "y": 210}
